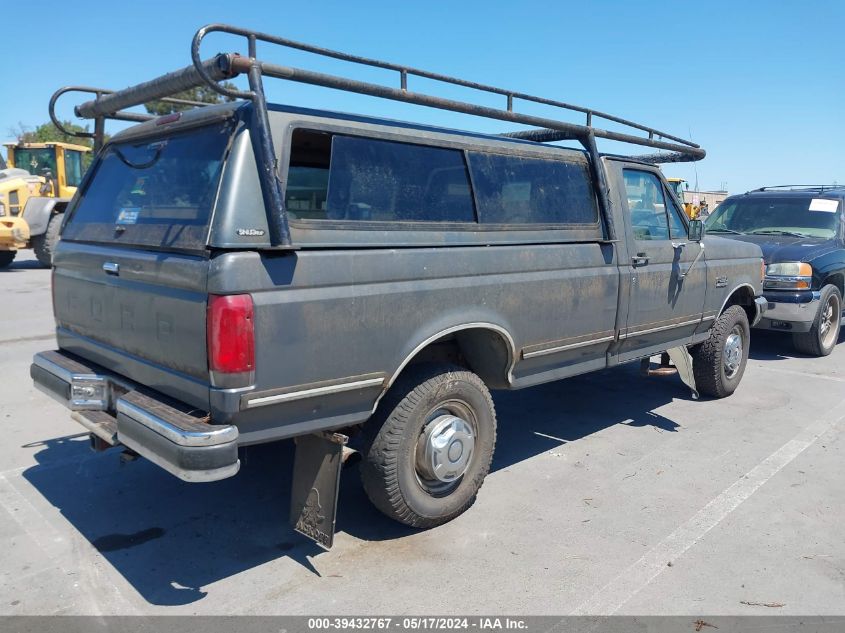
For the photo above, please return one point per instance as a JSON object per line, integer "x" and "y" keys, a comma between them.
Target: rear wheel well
{"x": 743, "y": 297}
{"x": 483, "y": 351}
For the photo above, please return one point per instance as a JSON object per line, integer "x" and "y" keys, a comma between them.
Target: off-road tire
{"x": 388, "y": 470}
{"x": 708, "y": 363}
{"x": 6, "y": 258}
{"x": 45, "y": 245}
{"x": 814, "y": 342}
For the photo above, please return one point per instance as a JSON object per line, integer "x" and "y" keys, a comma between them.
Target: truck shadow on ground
{"x": 769, "y": 345}
{"x": 170, "y": 539}
{"x": 15, "y": 267}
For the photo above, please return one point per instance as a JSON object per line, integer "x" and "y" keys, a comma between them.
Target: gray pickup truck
{"x": 243, "y": 273}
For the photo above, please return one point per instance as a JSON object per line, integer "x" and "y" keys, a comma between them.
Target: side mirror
{"x": 696, "y": 230}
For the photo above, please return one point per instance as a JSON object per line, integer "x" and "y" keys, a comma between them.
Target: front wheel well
{"x": 836, "y": 279}
{"x": 743, "y": 297}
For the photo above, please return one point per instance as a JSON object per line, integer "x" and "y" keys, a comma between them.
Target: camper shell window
{"x": 342, "y": 178}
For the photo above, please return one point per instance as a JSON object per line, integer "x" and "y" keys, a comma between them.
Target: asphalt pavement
{"x": 609, "y": 493}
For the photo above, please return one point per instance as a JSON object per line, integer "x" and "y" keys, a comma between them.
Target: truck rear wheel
{"x": 432, "y": 442}
{"x": 824, "y": 333}
{"x": 44, "y": 245}
{"x": 6, "y": 258}
{"x": 719, "y": 362}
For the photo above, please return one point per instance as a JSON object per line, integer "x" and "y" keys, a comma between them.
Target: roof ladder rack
{"x": 113, "y": 105}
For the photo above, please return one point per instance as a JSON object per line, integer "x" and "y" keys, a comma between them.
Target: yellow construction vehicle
{"x": 16, "y": 185}
{"x": 677, "y": 185}
{"x": 39, "y": 181}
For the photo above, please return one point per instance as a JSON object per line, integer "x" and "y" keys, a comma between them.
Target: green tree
{"x": 203, "y": 94}
{"x": 47, "y": 132}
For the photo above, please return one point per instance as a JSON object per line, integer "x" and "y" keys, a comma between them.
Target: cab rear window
{"x": 155, "y": 193}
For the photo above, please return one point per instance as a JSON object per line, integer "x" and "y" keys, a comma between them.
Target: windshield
{"x": 800, "y": 217}
{"x": 35, "y": 161}
{"x": 156, "y": 193}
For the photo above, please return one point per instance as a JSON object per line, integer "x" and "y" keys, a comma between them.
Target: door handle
{"x": 640, "y": 259}
{"x": 111, "y": 268}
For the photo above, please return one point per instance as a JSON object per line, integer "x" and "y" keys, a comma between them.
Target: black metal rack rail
{"x": 113, "y": 105}
{"x": 818, "y": 188}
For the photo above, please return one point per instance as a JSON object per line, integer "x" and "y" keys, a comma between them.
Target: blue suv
{"x": 801, "y": 230}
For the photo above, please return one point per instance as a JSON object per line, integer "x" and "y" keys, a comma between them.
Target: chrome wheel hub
{"x": 445, "y": 449}
{"x": 828, "y": 323}
{"x": 732, "y": 355}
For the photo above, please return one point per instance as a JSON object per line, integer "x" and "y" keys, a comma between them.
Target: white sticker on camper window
{"x": 823, "y": 204}
{"x": 128, "y": 215}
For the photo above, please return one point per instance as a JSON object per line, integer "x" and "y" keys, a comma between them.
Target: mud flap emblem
{"x": 316, "y": 484}
{"x": 311, "y": 519}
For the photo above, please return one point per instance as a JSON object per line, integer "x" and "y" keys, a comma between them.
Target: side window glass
{"x": 336, "y": 177}
{"x": 386, "y": 181}
{"x": 677, "y": 226}
{"x": 646, "y": 205}
{"x": 308, "y": 175}
{"x": 520, "y": 190}
{"x": 73, "y": 168}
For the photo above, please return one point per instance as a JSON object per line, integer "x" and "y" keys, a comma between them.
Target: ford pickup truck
{"x": 245, "y": 273}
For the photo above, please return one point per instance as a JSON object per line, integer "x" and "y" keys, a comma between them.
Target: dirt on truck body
{"x": 245, "y": 273}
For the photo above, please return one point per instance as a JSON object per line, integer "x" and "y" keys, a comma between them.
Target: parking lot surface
{"x": 609, "y": 493}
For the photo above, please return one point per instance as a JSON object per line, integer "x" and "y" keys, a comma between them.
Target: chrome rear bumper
{"x": 119, "y": 411}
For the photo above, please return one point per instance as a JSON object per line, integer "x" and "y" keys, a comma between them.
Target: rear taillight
{"x": 231, "y": 334}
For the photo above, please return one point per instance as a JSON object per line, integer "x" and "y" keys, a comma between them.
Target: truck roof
{"x": 797, "y": 191}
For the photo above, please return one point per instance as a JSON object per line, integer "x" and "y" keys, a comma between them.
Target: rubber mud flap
{"x": 316, "y": 484}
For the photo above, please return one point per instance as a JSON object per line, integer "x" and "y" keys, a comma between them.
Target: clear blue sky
{"x": 760, "y": 85}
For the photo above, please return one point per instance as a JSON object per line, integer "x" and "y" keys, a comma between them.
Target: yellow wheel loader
{"x": 677, "y": 185}
{"x": 35, "y": 188}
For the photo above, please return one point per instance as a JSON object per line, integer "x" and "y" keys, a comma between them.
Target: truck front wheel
{"x": 824, "y": 333}
{"x": 431, "y": 445}
{"x": 44, "y": 245}
{"x": 6, "y": 258}
{"x": 719, "y": 362}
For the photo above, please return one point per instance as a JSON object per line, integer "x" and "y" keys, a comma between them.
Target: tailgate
{"x": 140, "y": 314}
